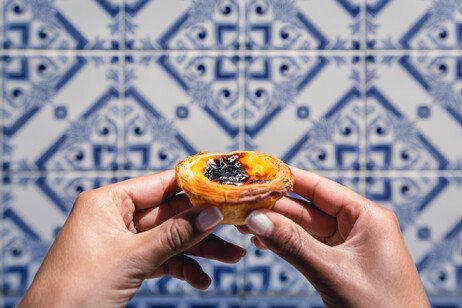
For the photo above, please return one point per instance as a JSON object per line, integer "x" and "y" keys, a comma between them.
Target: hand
{"x": 350, "y": 249}
{"x": 100, "y": 260}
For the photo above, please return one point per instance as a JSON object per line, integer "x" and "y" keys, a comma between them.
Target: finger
{"x": 184, "y": 268}
{"x": 292, "y": 243}
{"x": 243, "y": 229}
{"x": 150, "y": 190}
{"x": 257, "y": 243}
{"x": 176, "y": 235}
{"x": 308, "y": 216}
{"x": 152, "y": 217}
{"x": 215, "y": 248}
{"x": 330, "y": 197}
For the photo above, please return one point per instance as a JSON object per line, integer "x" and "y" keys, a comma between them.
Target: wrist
{"x": 52, "y": 290}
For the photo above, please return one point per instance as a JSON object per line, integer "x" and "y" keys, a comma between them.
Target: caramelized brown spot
{"x": 228, "y": 169}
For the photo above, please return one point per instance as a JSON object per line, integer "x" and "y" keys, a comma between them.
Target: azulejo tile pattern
{"x": 414, "y": 24}
{"x": 414, "y": 107}
{"x": 320, "y": 96}
{"x": 161, "y": 127}
{"x": 49, "y": 24}
{"x": 176, "y": 24}
{"x": 49, "y": 122}
{"x": 273, "y": 24}
{"x": 366, "y": 92}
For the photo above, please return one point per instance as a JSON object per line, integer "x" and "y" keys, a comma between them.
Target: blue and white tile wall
{"x": 367, "y": 92}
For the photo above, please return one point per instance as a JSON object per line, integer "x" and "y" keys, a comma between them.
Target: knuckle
{"x": 290, "y": 244}
{"x": 178, "y": 237}
{"x": 83, "y": 196}
{"x": 82, "y": 199}
{"x": 387, "y": 215}
{"x": 391, "y": 217}
{"x": 91, "y": 198}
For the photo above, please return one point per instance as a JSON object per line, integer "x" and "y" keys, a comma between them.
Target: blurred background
{"x": 366, "y": 92}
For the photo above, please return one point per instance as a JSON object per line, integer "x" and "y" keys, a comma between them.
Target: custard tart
{"x": 237, "y": 183}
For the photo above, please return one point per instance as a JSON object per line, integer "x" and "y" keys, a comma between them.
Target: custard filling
{"x": 235, "y": 169}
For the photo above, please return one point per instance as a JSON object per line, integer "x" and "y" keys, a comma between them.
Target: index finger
{"x": 150, "y": 190}
{"x": 329, "y": 196}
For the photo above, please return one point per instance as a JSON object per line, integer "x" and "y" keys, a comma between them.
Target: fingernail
{"x": 209, "y": 218}
{"x": 243, "y": 253}
{"x": 259, "y": 223}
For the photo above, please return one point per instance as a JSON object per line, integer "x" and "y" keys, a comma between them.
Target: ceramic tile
{"x": 414, "y": 24}
{"x": 318, "y": 24}
{"x": 9, "y": 302}
{"x": 184, "y": 302}
{"x": 34, "y": 209}
{"x": 307, "y": 110}
{"x": 316, "y": 302}
{"x": 429, "y": 212}
{"x": 180, "y": 104}
{"x": 54, "y": 112}
{"x": 446, "y": 301}
{"x": 177, "y": 24}
{"x": 286, "y": 302}
{"x": 414, "y": 112}
{"x": 45, "y": 24}
{"x": 2, "y": 4}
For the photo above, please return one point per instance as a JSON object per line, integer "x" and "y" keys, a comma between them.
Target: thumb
{"x": 177, "y": 235}
{"x": 291, "y": 242}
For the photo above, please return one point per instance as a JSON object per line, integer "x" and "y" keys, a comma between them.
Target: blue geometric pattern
{"x": 43, "y": 93}
{"x": 149, "y": 138}
{"x": 205, "y": 24}
{"x": 326, "y": 130}
{"x": 29, "y": 84}
{"x": 428, "y": 24}
{"x": 273, "y": 24}
{"x": 402, "y": 133}
{"x": 49, "y": 24}
{"x": 365, "y": 92}
{"x": 158, "y": 131}
{"x": 212, "y": 84}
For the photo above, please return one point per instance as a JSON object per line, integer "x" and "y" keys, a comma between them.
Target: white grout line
{"x": 121, "y": 123}
{"x": 289, "y": 52}
{"x": 327, "y": 173}
{"x": 363, "y": 143}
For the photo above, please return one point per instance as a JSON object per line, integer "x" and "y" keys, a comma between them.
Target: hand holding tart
{"x": 237, "y": 183}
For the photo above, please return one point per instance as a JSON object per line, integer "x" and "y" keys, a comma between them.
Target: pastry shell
{"x": 274, "y": 180}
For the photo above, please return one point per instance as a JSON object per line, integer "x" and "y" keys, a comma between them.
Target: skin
{"x": 118, "y": 235}
{"x": 349, "y": 248}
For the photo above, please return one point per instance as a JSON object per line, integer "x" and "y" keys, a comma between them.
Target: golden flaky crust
{"x": 235, "y": 202}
